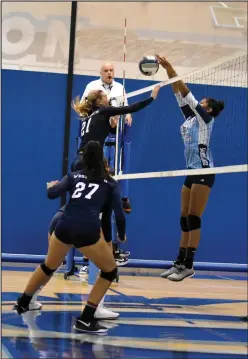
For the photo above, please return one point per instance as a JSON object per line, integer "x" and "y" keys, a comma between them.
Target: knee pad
{"x": 184, "y": 224}
{"x": 194, "y": 222}
{"x": 110, "y": 276}
{"x": 49, "y": 272}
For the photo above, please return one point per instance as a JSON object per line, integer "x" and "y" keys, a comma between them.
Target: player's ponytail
{"x": 216, "y": 106}
{"x": 88, "y": 105}
{"x": 93, "y": 159}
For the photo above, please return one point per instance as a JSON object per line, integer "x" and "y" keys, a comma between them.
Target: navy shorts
{"x": 55, "y": 219}
{"x": 73, "y": 233}
{"x": 205, "y": 180}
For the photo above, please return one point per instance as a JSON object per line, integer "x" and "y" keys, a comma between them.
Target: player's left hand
{"x": 51, "y": 184}
{"x": 128, "y": 120}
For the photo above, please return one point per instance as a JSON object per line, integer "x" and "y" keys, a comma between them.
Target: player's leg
{"x": 101, "y": 255}
{"x": 34, "y": 304}
{"x": 55, "y": 256}
{"x": 185, "y": 198}
{"x": 199, "y": 195}
{"x": 102, "y": 312}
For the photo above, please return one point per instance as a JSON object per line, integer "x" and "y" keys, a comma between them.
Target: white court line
{"x": 5, "y": 353}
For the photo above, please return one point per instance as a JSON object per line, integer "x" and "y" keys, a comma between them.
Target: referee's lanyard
{"x": 107, "y": 88}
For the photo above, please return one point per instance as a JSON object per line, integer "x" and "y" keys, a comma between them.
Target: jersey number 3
{"x": 80, "y": 187}
{"x": 85, "y": 127}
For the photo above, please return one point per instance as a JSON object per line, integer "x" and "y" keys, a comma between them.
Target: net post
{"x": 70, "y": 255}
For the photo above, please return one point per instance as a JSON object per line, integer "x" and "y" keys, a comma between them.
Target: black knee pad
{"x": 49, "y": 272}
{"x": 110, "y": 276}
{"x": 184, "y": 224}
{"x": 194, "y": 222}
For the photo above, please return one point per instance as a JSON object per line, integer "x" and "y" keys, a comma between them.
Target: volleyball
{"x": 148, "y": 65}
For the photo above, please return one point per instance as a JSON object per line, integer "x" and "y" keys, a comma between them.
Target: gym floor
{"x": 197, "y": 318}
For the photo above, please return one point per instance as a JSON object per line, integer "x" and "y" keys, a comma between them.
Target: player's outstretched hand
{"x": 51, "y": 184}
{"x": 163, "y": 61}
{"x": 155, "y": 92}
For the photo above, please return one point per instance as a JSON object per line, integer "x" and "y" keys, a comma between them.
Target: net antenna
{"x": 120, "y": 123}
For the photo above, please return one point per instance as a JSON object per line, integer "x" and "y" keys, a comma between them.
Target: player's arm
{"x": 113, "y": 111}
{"x": 178, "y": 86}
{"x": 118, "y": 210}
{"x": 56, "y": 189}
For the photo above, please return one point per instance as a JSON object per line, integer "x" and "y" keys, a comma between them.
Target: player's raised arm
{"x": 137, "y": 106}
{"x": 178, "y": 86}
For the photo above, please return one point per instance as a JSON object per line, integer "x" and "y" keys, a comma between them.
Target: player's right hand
{"x": 51, "y": 184}
{"x": 163, "y": 61}
{"x": 155, "y": 92}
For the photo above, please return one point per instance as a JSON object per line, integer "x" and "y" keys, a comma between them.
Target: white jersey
{"x": 196, "y": 132}
{"x": 114, "y": 91}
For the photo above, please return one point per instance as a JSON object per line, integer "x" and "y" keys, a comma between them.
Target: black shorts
{"x": 73, "y": 233}
{"x": 55, "y": 219}
{"x": 205, "y": 180}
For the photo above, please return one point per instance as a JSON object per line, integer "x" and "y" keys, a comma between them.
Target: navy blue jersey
{"x": 96, "y": 126}
{"x": 87, "y": 200}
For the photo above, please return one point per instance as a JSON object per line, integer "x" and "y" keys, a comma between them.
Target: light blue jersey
{"x": 196, "y": 132}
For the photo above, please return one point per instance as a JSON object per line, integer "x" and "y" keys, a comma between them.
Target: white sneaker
{"x": 34, "y": 305}
{"x": 181, "y": 274}
{"x": 174, "y": 269}
{"x": 105, "y": 314}
{"x": 84, "y": 270}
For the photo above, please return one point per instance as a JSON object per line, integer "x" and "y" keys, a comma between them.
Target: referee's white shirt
{"x": 114, "y": 91}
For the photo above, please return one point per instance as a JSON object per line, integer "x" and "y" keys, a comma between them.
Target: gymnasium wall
{"x": 32, "y": 140}
{"x": 35, "y": 53}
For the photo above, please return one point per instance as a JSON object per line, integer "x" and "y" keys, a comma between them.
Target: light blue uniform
{"x": 196, "y": 132}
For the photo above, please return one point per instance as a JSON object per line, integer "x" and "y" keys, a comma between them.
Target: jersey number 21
{"x": 85, "y": 126}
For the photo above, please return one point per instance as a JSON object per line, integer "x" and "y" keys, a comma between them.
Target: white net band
{"x": 187, "y": 172}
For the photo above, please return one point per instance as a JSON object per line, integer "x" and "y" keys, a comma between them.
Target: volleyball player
{"x": 115, "y": 92}
{"x": 96, "y": 116}
{"x": 199, "y": 118}
{"x": 90, "y": 189}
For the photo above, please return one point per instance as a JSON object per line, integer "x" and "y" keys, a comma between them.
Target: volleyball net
{"x": 157, "y": 146}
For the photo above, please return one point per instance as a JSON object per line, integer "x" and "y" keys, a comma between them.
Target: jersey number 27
{"x": 81, "y": 186}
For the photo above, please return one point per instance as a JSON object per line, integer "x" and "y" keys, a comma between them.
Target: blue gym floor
{"x": 197, "y": 318}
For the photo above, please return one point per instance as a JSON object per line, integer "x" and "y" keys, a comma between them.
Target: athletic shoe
{"x": 89, "y": 327}
{"x": 181, "y": 274}
{"x": 32, "y": 306}
{"x": 19, "y": 309}
{"x": 120, "y": 261}
{"x": 84, "y": 270}
{"x": 103, "y": 313}
{"x": 244, "y": 319}
{"x": 174, "y": 269}
{"x": 126, "y": 205}
{"x": 123, "y": 254}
